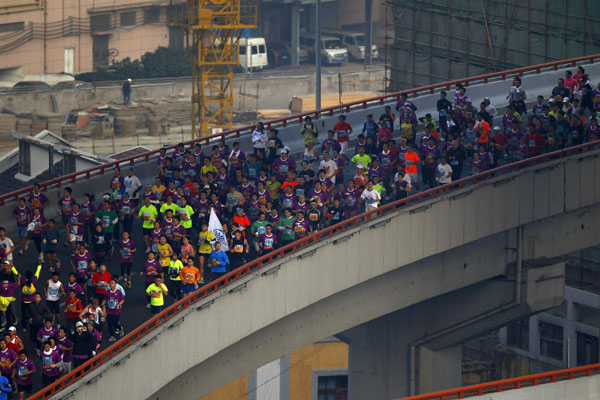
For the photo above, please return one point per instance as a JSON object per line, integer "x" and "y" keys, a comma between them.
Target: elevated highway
{"x": 486, "y": 229}
{"x": 443, "y": 242}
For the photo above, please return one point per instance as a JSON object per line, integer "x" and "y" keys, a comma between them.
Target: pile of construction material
{"x": 8, "y": 123}
{"x": 305, "y": 103}
{"x": 147, "y": 116}
{"x": 27, "y": 124}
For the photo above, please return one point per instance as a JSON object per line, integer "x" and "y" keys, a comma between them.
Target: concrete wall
{"x": 251, "y": 92}
{"x": 414, "y": 254}
{"x": 585, "y": 388}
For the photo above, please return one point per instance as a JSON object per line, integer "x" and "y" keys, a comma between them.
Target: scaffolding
{"x": 439, "y": 40}
{"x": 212, "y": 31}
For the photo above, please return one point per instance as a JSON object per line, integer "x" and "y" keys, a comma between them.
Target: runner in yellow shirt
{"x": 206, "y": 238}
{"x": 157, "y": 292}
{"x": 165, "y": 251}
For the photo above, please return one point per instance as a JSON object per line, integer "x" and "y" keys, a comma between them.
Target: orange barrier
{"x": 260, "y": 262}
{"x": 509, "y": 384}
{"x": 329, "y": 111}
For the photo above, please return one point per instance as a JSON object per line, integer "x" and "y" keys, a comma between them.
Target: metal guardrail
{"x": 510, "y": 384}
{"x": 243, "y": 271}
{"x": 316, "y": 114}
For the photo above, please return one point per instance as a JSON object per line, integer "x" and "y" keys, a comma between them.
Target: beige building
{"x": 74, "y": 36}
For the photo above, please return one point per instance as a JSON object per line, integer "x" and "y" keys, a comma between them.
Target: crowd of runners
{"x": 259, "y": 199}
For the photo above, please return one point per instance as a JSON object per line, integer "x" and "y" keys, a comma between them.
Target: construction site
{"x": 438, "y": 40}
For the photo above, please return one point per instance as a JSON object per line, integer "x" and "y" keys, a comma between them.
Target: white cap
{"x": 128, "y": 79}
{"x": 78, "y": 324}
{"x": 565, "y": 99}
{"x": 12, "y": 328}
{"x": 284, "y": 150}
{"x": 496, "y": 128}
{"x": 551, "y": 100}
{"x": 486, "y": 98}
{"x": 468, "y": 100}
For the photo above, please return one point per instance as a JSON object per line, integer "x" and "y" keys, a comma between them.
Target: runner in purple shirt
{"x": 22, "y": 214}
{"x": 268, "y": 240}
{"x": 113, "y": 302}
{"x": 65, "y": 204}
{"x": 46, "y": 332}
{"x": 288, "y": 198}
{"x": 37, "y": 199}
{"x": 50, "y": 360}
{"x": 75, "y": 286}
{"x": 24, "y": 370}
{"x": 65, "y": 346}
{"x": 341, "y": 165}
{"x": 351, "y": 197}
{"x": 301, "y": 226}
{"x": 283, "y": 164}
{"x": 76, "y": 222}
{"x": 151, "y": 269}
{"x": 302, "y": 204}
{"x": 167, "y": 224}
{"x": 319, "y": 195}
{"x": 245, "y": 188}
{"x": 126, "y": 257}
{"x": 81, "y": 262}
{"x": 237, "y": 159}
{"x": 7, "y": 358}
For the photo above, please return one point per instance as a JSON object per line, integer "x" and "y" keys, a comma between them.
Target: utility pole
{"x": 369, "y": 32}
{"x": 318, "y": 55}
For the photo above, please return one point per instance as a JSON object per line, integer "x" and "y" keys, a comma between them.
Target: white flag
{"x": 214, "y": 225}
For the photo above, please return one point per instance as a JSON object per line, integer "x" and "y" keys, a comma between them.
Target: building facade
{"x": 75, "y": 36}
{"x": 315, "y": 372}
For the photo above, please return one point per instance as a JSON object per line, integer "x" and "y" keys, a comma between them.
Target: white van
{"x": 332, "y": 50}
{"x": 253, "y": 53}
{"x": 355, "y": 43}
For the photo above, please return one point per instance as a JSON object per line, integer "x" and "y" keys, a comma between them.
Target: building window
{"x": 551, "y": 340}
{"x": 128, "y": 18}
{"x": 151, "y": 15}
{"x": 24, "y": 158}
{"x": 68, "y": 163}
{"x": 518, "y": 334}
{"x": 333, "y": 387}
{"x": 100, "y": 23}
{"x": 587, "y": 349}
{"x": 12, "y": 27}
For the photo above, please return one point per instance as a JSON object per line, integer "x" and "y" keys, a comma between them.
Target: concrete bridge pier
{"x": 418, "y": 349}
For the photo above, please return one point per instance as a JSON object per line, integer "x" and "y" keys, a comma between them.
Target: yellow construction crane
{"x": 212, "y": 32}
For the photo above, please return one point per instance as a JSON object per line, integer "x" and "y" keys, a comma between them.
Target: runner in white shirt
{"x": 132, "y": 184}
{"x": 444, "y": 172}
{"x": 329, "y": 166}
{"x": 7, "y": 244}
{"x": 371, "y": 197}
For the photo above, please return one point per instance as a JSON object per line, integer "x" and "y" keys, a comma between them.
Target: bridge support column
{"x": 380, "y": 361}
{"x": 418, "y": 349}
{"x": 439, "y": 369}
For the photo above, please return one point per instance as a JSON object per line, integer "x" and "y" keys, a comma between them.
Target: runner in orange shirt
{"x": 411, "y": 160}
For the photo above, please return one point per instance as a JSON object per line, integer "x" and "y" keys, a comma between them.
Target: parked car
{"x": 73, "y": 85}
{"x": 281, "y": 54}
{"x": 353, "y": 41}
{"x": 33, "y": 86}
{"x": 332, "y": 50}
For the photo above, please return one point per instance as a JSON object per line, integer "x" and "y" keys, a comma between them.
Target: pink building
{"x": 74, "y": 36}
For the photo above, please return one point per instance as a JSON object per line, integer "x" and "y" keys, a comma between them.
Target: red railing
{"x": 509, "y": 384}
{"x": 237, "y": 132}
{"x": 260, "y": 262}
